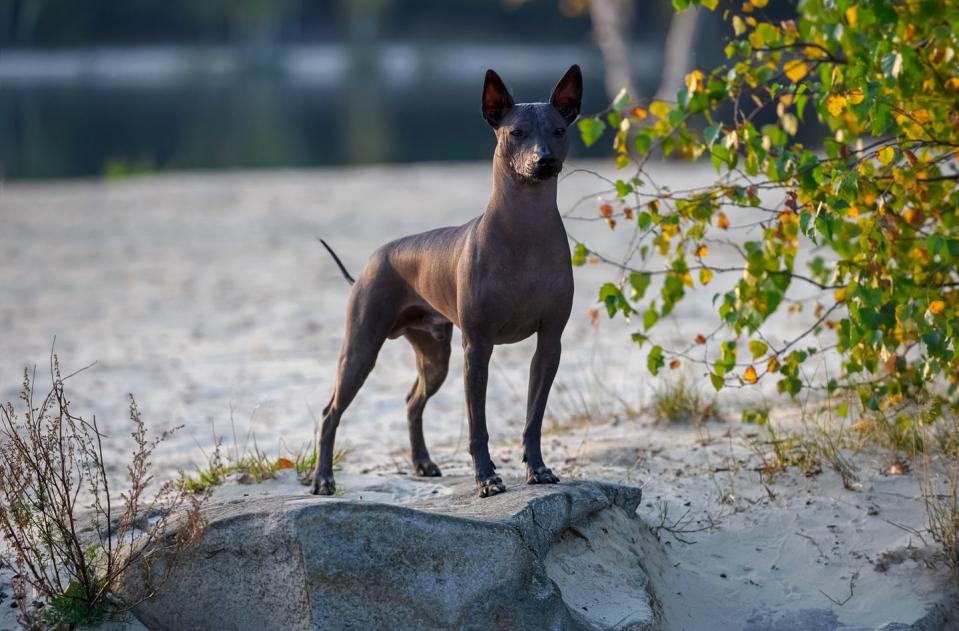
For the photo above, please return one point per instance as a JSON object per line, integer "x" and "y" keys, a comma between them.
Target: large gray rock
{"x": 444, "y": 559}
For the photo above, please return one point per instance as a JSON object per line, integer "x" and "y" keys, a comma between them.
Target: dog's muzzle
{"x": 544, "y": 169}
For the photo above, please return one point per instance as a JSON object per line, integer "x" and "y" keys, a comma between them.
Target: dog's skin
{"x": 502, "y": 277}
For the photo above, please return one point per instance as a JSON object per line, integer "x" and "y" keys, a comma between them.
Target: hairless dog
{"x": 502, "y": 277}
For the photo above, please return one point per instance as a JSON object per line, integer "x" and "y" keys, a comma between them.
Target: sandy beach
{"x": 208, "y": 298}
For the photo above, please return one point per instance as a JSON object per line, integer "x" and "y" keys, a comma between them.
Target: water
{"x": 114, "y": 112}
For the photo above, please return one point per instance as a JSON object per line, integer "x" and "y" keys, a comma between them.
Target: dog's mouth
{"x": 543, "y": 172}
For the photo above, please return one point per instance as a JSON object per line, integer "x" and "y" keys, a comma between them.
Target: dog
{"x": 501, "y": 278}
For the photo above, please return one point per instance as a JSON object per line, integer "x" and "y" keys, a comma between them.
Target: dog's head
{"x": 531, "y": 137}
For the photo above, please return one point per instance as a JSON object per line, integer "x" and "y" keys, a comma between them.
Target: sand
{"x": 207, "y": 297}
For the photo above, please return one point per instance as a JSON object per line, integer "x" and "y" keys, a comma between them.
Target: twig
{"x": 852, "y": 585}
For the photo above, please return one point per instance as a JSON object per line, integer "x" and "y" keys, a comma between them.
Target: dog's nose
{"x": 545, "y": 160}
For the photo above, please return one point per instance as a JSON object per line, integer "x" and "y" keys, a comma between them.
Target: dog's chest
{"x": 515, "y": 296}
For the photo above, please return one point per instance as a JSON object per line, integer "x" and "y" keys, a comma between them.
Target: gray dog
{"x": 500, "y": 278}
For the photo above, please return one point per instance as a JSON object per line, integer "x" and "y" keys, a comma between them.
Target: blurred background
{"x": 203, "y": 291}
{"x": 120, "y": 87}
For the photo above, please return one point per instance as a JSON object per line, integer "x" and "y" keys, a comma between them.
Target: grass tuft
{"x": 683, "y": 400}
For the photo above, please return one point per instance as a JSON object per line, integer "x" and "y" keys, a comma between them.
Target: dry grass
{"x": 587, "y": 402}
{"x": 683, "y": 400}
{"x": 71, "y": 537}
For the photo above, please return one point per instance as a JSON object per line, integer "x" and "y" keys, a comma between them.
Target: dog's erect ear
{"x": 568, "y": 94}
{"x": 496, "y": 99}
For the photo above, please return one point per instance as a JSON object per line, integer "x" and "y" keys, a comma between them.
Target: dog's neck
{"x": 520, "y": 205}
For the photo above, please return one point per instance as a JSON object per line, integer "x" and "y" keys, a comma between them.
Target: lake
{"x": 114, "y": 112}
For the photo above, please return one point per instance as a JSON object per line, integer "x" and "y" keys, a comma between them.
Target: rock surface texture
{"x": 532, "y": 558}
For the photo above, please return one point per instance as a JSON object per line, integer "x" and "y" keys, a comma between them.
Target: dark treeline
{"x": 72, "y": 23}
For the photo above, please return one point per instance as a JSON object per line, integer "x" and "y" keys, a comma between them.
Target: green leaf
{"x": 757, "y": 348}
{"x": 711, "y": 133}
{"x": 579, "y": 254}
{"x": 622, "y": 102}
{"x": 655, "y": 360}
{"x": 591, "y": 129}
{"x": 718, "y": 381}
{"x": 650, "y": 317}
{"x": 639, "y": 282}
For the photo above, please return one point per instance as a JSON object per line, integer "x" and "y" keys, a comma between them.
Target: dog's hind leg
{"x": 353, "y": 369}
{"x": 432, "y": 364}
{"x": 367, "y": 329}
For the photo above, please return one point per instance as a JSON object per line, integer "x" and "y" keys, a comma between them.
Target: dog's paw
{"x": 426, "y": 469}
{"x": 490, "y": 486}
{"x": 540, "y": 476}
{"x": 324, "y": 486}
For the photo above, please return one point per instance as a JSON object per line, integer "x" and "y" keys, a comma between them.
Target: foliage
{"x": 877, "y": 206}
{"x": 69, "y": 537}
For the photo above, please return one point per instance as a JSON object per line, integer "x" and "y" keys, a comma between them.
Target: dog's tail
{"x": 338, "y": 262}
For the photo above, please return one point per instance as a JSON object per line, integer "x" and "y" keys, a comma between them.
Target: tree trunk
{"x": 611, "y": 20}
{"x": 678, "y": 53}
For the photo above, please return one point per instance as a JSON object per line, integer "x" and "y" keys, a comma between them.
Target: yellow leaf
{"x": 885, "y": 155}
{"x": 750, "y": 375}
{"x": 694, "y": 81}
{"x": 915, "y": 217}
{"x": 284, "y": 463}
{"x": 702, "y": 250}
{"x": 659, "y": 108}
{"x": 640, "y": 113}
{"x": 936, "y": 307}
{"x": 840, "y": 294}
{"x": 739, "y": 27}
{"x": 722, "y": 220}
{"x": 856, "y": 96}
{"x": 705, "y": 275}
{"x": 687, "y": 280}
{"x": 790, "y": 124}
{"x": 759, "y": 4}
{"x": 852, "y": 15}
{"x": 773, "y": 365}
{"x": 835, "y": 104}
{"x": 795, "y": 69}
{"x": 953, "y": 83}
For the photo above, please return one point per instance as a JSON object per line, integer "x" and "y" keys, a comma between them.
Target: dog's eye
{"x": 516, "y": 132}
{"x": 559, "y": 131}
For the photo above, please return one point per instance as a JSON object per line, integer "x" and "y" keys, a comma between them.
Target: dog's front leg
{"x": 542, "y": 370}
{"x": 475, "y": 374}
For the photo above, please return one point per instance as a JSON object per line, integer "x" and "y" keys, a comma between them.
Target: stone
{"x": 440, "y": 558}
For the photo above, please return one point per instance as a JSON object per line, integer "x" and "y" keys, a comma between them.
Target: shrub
{"x": 880, "y": 201}
{"x": 68, "y": 534}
